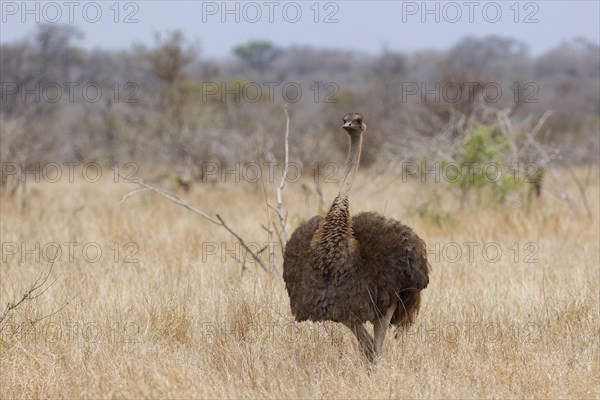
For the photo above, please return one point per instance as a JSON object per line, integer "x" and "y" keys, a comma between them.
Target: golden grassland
{"x": 183, "y": 321}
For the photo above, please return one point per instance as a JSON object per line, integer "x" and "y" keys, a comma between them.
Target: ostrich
{"x": 354, "y": 269}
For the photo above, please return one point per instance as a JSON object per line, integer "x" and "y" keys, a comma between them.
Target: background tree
{"x": 258, "y": 53}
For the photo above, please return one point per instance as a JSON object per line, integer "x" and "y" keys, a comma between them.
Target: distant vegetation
{"x": 167, "y": 104}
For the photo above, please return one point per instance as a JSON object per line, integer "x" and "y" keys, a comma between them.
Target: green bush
{"x": 485, "y": 166}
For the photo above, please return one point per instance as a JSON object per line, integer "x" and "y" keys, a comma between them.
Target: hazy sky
{"x": 366, "y": 25}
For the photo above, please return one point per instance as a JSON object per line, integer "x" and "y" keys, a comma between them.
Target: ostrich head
{"x": 353, "y": 124}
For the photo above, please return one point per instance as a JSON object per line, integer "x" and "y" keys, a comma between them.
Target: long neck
{"x": 351, "y": 164}
{"x": 335, "y": 244}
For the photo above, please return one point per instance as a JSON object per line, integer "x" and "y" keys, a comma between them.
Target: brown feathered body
{"x": 353, "y": 268}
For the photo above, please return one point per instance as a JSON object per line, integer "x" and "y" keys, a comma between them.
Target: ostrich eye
{"x": 359, "y": 121}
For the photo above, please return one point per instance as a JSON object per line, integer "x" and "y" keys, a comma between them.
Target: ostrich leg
{"x": 381, "y": 326}
{"x": 365, "y": 340}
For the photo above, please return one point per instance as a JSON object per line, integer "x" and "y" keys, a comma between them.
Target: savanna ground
{"x": 170, "y": 314}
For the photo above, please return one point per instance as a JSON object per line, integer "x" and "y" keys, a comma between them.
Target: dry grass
{"x": 184, "y": 323}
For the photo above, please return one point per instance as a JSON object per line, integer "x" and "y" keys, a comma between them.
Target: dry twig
{"x": 280, "y": 212}
{"x": 37, "y": 289}
{"x": 217, "y": 220}
{"x": 272, "y": 256}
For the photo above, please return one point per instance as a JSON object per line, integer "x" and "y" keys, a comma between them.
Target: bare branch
{"x": 167, "y": 196}
{"x": 254, "y": 255}
{"x": 280, "y": 212}
{"x": 540, "y": 123}
{"x": 271, "y": 247}
{"x": 37, "y": 289}
{"x": 29, "y": 294}
{"x": 33, "y": 322}
{"x": 133, "y": 193}
{"x": 531, "y": 135}
{"x": 217, "y": 221}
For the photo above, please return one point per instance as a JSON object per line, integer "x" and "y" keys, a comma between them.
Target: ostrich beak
{"x": 347, "y": 125}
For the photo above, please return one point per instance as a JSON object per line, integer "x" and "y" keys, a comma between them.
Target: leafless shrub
{"x": 12, "y": 327}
